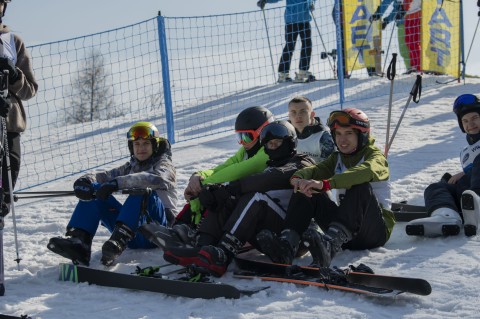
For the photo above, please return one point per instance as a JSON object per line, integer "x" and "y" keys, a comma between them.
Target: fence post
{"x": 340, "y": 67}
{"x": 167, "y": 94}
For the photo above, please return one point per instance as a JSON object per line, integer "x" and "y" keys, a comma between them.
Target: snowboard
{"x": 405, "y": 212}
{"x": 171, "y": 286}
{"x": 350, "y": 279}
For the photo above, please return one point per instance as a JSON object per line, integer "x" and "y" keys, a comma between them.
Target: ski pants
{"x": 442, "y": 194}
{"x": 88, "y": 214}
{"x": 359, "y": 212}
{"x": 292, "y": 31}
{"x": 15, "y": 155}
{"x": 412, "y": 38}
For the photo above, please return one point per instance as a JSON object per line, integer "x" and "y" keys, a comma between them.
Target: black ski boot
{"x": 323, "y": 247}
{"x": 117, "y": 243}
{"x": 280, "y": 249}
{"x": 219, "y": 257}
{"x": 180, "y": 235}
{"x": 77, "y": 246}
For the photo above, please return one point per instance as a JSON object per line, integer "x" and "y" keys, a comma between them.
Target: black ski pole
{"x": 391, "y": 76}
{"x": 416, "y": 91}
{"x": 323, "y": 44}
{"x": 269, "y": 45}
{"x": 388, "y": 48}
{"x": 361, "y": 47}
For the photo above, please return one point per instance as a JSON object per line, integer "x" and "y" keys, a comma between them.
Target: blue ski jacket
{"x": 296, "y": 11}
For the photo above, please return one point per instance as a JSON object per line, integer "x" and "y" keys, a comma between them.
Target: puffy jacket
{"x": 297, "y": 11}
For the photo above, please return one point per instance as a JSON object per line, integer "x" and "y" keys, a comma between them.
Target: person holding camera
{"x": 19, "y": 84}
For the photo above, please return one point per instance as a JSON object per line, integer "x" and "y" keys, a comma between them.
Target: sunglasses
{"x": 465, "y": 101}
{"x": 141, "y": 132}
{"x": 249, "y": 137}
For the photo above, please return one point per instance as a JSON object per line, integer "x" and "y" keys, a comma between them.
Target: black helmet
{"x": 252, "y": 118}
{"x": 250, "y": 122}
{"x": 285, "y": 131}
{"x": 465, "y": 103}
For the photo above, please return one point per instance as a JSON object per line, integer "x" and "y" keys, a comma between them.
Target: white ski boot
{"x": 284, "y": 77}
{"x": 443, "y": 222}
{"x": 304, "y": 77}
{"x": 471, "y": 212}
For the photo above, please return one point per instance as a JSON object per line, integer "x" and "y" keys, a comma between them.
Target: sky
{"x": 426, "y": 146}
{"x": 52, "y": 20}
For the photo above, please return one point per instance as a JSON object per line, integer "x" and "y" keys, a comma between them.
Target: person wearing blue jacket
{"x": 297, "y": 23}
{"x": 150, "y": 166}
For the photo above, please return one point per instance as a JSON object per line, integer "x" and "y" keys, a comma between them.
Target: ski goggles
{"x": 144, "y": 132}
{"x": 344, "y": 119}
{"x": 249, "y": 137}
{"x": 465, "y": 102}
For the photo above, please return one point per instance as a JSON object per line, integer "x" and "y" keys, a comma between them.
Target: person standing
{"x": 22, "y": 86}
{"x": 297, "y": 23}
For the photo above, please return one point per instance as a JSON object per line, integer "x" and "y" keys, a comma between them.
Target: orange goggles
{"x": 341, "y": 118}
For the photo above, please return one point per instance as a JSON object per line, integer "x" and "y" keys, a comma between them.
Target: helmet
{"x": 464, "y": 104}
{"x": 285, "y": 131}
{"x": 351, "y": 117}
{"x": 250, "y": 122}
{"x": 143, "y": 130}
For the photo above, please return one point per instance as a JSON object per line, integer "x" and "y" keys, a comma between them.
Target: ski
{"x": 175, "y": 287}
{"x": 329, "y": 276}
{"x": 14, "y": 317}
{"x": 405, "y": 212}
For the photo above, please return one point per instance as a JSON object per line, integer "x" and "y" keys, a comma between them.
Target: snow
{"x": 426, "y": 146}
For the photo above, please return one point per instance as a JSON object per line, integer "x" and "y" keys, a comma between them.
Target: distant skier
{"x": 362, "y": 219}
{"x": 449, "y": 200}
{"x": 297, "y": 23}
{"x": 150, "y": 166}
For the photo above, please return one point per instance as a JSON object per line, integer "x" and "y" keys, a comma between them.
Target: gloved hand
{"x": 261, "y": 4}
{"x": 312, "y": 6}
{"x": 384, "y": 25}
{"x": 5, "y": 105}
{"x": 83, "y": 188}
{"x": 7, "y": 64}
{"x": 374, "y": 17}
{"x": 215, "y": 196}
{"x": 106, "y": 189}
{"x": 400, "y": 14}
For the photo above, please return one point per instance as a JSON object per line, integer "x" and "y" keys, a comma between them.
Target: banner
{"x": 440, "y": 37}
{"x": 359, "y": 35}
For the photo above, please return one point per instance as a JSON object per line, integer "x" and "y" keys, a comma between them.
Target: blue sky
{"x": 51, "y": 20}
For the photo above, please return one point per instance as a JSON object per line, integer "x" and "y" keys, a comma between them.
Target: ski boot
{"x": 184, "y": 256}
{"x": 76, "y": 247}
{"x": 279, "y": 249}
{"x": 219, "y": 257}
{"x": 444, "y": 221}
{"x": 323, "y": 247}
{"x": 471, "y": 212}
{"x": 117, "y": 243}
{"x": 180, "y": 235}
{"x": 304, "y": 77}
{"x": 284, "y": 77}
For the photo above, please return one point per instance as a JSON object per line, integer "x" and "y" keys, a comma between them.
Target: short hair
{"x": 300, "y": 99}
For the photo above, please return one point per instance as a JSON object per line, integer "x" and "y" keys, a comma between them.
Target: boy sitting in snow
{"x": 447, "y": 201}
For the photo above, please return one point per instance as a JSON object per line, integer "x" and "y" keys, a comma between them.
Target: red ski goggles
{"x": 343, "y": 119}
{"x": 144, "y": 132}
{"x": 249, "y": 137}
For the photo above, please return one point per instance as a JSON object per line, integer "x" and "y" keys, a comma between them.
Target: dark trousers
{"x": 359, "y": 212}
{"x": 292, "y": 31}
{"x": 15, "y": 155}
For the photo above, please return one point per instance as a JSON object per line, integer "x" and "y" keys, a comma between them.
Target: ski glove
{"x": 5, "y": 105}
{"x": 261, "y": 4}
{"x": 384, "y": 25}
{"x": 312, "y": 6}
{"x": 374, "y": 17}
{"x": 7, "y": 64}
{"x": 106, "y": 189}
{"x": 214, "y": 197}
{"x": 83, "y": 188}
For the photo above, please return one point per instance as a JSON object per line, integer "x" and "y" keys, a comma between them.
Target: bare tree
{"x": 91, "y": 98}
